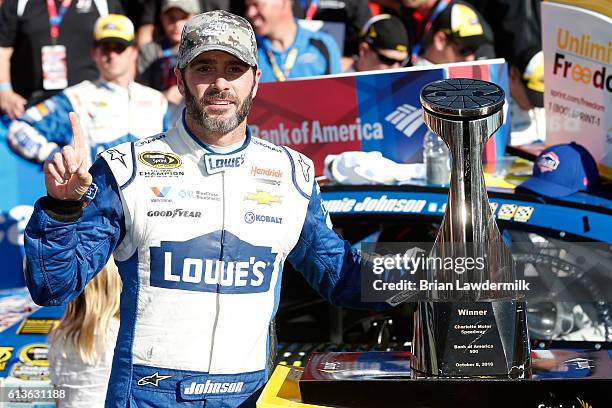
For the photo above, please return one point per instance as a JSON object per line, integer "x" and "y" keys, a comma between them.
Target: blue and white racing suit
{"x": 200, "y": 239}
{"x": 109, "y": 115}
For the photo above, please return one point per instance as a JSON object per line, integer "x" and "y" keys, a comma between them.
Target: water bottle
{"x": 436, "y": 158}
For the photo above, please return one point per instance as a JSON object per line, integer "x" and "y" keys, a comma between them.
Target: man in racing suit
{"x": 200, "y": 220}
{"x": 114, "y": 109}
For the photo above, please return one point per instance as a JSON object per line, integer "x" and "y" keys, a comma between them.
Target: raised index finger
{"x": 78, "y": 138}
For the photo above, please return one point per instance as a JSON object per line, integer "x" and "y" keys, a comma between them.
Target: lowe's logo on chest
{"x": 195, "y": 265}
{"x": 217, "y": 163}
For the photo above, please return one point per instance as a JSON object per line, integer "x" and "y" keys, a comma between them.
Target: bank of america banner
{"x": 367, "y": 111}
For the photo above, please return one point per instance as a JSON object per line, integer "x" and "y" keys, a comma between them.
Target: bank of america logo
{"x": 406, "y": 118}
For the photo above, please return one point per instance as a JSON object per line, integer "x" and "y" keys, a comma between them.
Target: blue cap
{"x": 562, "y": 170}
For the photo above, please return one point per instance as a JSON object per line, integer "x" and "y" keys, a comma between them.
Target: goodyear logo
{"x": 263, "y": 198}
{"x": 160, "y": 160}
{"x": 37, "y": 326}
{"x": 5, "y": 356}
{"x": 194, "y": 265}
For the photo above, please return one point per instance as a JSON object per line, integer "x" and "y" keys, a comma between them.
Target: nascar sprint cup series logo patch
{"x": 160, "y": 160}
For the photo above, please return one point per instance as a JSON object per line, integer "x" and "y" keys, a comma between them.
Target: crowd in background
{"x": 46, "y": 46}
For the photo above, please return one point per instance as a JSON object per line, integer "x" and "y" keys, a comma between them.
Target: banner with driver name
{"x": 372, "y": 111}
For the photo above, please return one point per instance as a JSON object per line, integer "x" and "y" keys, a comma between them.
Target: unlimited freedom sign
{"x": 578, "y": 78}
{"x": 364, "y": 112}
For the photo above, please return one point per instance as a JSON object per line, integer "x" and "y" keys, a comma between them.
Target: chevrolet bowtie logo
{"x": 263, "y": 197}
{"x": 153, "y": 379}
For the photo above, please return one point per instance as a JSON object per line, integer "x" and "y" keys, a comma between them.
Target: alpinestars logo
{"x": 406, "y": 118}
{"x": 117, "y": 155}
{"x": 153, "y": 379}
{"x": 305, "y": 169}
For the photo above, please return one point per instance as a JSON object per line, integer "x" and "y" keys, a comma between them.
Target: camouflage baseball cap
{"x": 220, "y": 31}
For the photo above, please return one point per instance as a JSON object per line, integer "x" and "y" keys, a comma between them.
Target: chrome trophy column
{"x": 475, "y": 332}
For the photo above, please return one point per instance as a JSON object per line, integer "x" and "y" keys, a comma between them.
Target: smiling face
{"x": 265, "y": 15}
{"x": 218, "y": 89}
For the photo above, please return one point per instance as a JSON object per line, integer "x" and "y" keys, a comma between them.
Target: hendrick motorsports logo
{"x": 268, "y": 172}
{"x": 160, "y": 160}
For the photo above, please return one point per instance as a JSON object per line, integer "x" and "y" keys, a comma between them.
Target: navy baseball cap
{"x": 562, "y": 170}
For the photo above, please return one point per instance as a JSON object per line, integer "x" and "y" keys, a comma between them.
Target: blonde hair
{"x": 87, "y": 317}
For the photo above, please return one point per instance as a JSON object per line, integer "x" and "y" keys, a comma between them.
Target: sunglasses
{"x": 389, "y": 61}
{"x": 108, "y": 47}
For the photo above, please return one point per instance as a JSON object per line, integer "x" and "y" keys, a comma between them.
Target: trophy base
{"x": 471, "y": 339}
{"x": 561, "y": 378}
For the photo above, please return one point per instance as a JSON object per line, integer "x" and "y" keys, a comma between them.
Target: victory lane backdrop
{"x": 377, "y": 111}
{"x": 320, "y": 116}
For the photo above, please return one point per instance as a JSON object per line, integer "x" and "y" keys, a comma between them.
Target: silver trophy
{"x": 469, "y": 332}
